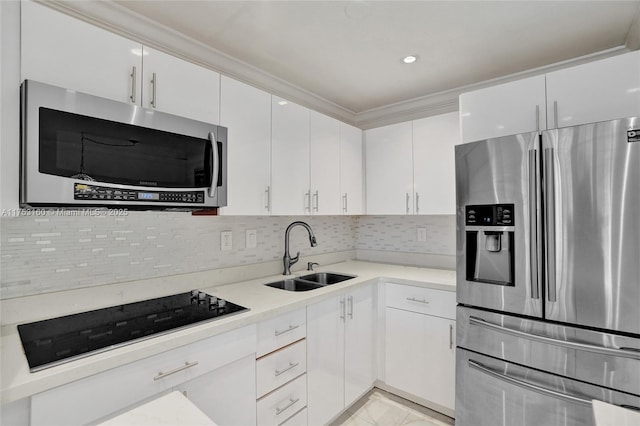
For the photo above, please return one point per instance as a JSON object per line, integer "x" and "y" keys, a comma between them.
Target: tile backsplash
{"x": 60, "y": 250}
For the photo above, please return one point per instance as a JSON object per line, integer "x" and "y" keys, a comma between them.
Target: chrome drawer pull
{"x": 413, "y": 299}
{"x": 291, "y": 327}
{"x": 622, "y": 352}
{"x": 186, "y": 365}
{"x": 291, "y": 402}
{"x": 291, "y": 365}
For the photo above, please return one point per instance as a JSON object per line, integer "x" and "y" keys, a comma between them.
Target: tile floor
{"x": 384, "y": 409}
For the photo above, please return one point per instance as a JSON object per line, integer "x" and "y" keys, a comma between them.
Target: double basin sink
{"x": 310, "y": 282}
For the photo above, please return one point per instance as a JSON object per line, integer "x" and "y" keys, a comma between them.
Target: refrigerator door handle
{"x": 535, "y": 249}
{"x": 530, "y": 386}
{"x": 622, "y": 352}
{"x": 550, "y": 230}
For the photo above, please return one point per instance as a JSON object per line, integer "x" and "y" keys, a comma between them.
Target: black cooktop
{"x": 57, "y": 340}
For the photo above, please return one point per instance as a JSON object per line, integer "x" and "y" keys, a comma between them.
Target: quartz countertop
{"x": 263, "y": 301}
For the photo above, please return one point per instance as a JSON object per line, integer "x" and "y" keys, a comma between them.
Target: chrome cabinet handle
{"x": 413, "y": 299}
{"x": 154, "y": 84}
{"x": 407, "y": 202}
{"x": 535, "y": 249}
{"x": 133, "y": 85}
{"x": 622, "y": 352}
{"x": 350, "y": 299}
{"x": 213, "y": 187}
{"x": 316, "y": 195}
{"x": 538, "y": 118}
{"x": 550, "y": 224}
{"x": 268, "y": 198}
{"x": 342, "y": 309}
{"x": 417, "y": 203}
{"x": 555, "y": 113}
{"x": 291, "y": 365}
{"x": 291, "y": 327}
{"x": 307, "y": 204}
{"x": 526, "y": 385}
{"x": 291, "y": 402}
{"x": 450, "y": 336}
{"x": 186, "y": 365}
{"x": 345, "y": 208}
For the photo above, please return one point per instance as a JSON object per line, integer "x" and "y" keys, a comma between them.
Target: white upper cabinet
{"x": 246, "y": 112}
{"x": 389, "y": 169}
{"x": 351, "y": 178}
{"x": 506, "y": 109}
{"x": 597, "y": 91}
{"x": 434, "y": 139}
{"x": 290, "y": 193}
{"x": 63, "y": 51}
{"x": 179, "y": 87}
{"x": 324, "y": 139}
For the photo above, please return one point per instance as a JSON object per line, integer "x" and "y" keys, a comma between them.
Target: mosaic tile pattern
{"x": 66, "y": 250}
{"x": 52, "y": 253}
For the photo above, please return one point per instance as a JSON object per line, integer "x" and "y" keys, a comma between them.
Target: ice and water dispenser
{"x": 490, "y": 243}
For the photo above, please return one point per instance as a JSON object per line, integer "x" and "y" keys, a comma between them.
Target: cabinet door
{"x": 420, "y": 355}
{"x": 351, "y": 170}
{"x": 324, "y": 145}
{"x": 290, "y": 193}
{"x": 598, "y": 91}
{"x": 179, "y": 87}
{"x": 359, "y": 352}
{"x": 506, "y": 109}
{"x": 246, "y": 112}
{"x": 325, "y": 360}
{"x": 226, "y": 395}
{"x": 389, "y": 171}
{"x": 60, "y": 50}
{"x": 434, "y": 139}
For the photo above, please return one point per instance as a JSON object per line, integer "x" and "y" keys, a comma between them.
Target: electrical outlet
{"x": 422, "y": 235}
{"x": 226, "y": 240}
{"x": 252, "y": 238}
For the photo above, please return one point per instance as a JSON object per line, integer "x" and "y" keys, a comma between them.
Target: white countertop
{"x": 612, "y": 415}
{"x": 264, "y": 302}
{"x": 168, "y": 410}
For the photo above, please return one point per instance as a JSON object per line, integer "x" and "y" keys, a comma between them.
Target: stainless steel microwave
{"x": 81, "y": 151}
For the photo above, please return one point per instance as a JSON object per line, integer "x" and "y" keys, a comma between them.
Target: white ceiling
{"x": 349, "y": 52}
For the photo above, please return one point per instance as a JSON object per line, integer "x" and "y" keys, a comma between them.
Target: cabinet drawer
{"x": 298, "y": 419}
{"x": 279, "y": 367}
{"x": 280, "y": 331}
{"x": 97, "y": 396}
{"x": 279, "y": 405}
{"x": 422, "y": 300}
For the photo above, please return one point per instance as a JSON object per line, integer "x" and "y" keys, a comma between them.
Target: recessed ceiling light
{"x": 283, "y": 103}
{"x": 410, "y": 59}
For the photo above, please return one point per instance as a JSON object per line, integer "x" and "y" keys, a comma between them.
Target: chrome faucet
{"x": 287, "y": 259}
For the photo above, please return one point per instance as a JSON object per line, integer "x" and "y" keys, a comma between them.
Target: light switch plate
{"x": 252, "y": 238}
{"x": 226, "y": 240}
{"x": 422, "y": 235}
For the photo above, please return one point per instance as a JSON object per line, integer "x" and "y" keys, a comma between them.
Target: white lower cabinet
{"x": 197, "y": 368}
{"x": 340, "y": 353}
{"x": 281, "y": 404}
{"x": 420, "y": 347}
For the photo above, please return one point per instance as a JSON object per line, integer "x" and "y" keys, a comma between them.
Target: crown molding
{"x": 122, "y": 21}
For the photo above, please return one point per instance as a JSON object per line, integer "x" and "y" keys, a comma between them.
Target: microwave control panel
{"x": 87, "y": 192}
{"x": 489, "y": 215}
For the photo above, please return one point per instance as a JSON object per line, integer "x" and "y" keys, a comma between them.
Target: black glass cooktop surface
{"x": 57, "y": 340}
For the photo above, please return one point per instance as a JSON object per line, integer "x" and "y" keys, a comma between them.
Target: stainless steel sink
{"x": 326, "y": 278}
{"x": 310, "y": 282}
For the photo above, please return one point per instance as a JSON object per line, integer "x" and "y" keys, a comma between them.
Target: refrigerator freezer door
{"x": 500, "y": 171}
{"x": 493, "y": 392}
{"x": 592, "y": 195}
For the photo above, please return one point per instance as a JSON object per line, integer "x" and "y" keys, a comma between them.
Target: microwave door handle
{"x": 213, "y": 187}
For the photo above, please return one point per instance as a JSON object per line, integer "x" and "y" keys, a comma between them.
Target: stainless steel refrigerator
{"x": 548, "y": 275}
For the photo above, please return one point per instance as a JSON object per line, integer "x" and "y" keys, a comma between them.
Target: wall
{"x": 61, "y": 251}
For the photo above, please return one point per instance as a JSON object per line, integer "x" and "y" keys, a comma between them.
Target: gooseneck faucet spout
{"x": 287, "y": 259}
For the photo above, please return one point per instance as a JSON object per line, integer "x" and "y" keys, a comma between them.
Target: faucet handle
{"x": 295, "y": 259}
{"x": 311, "y": 264}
